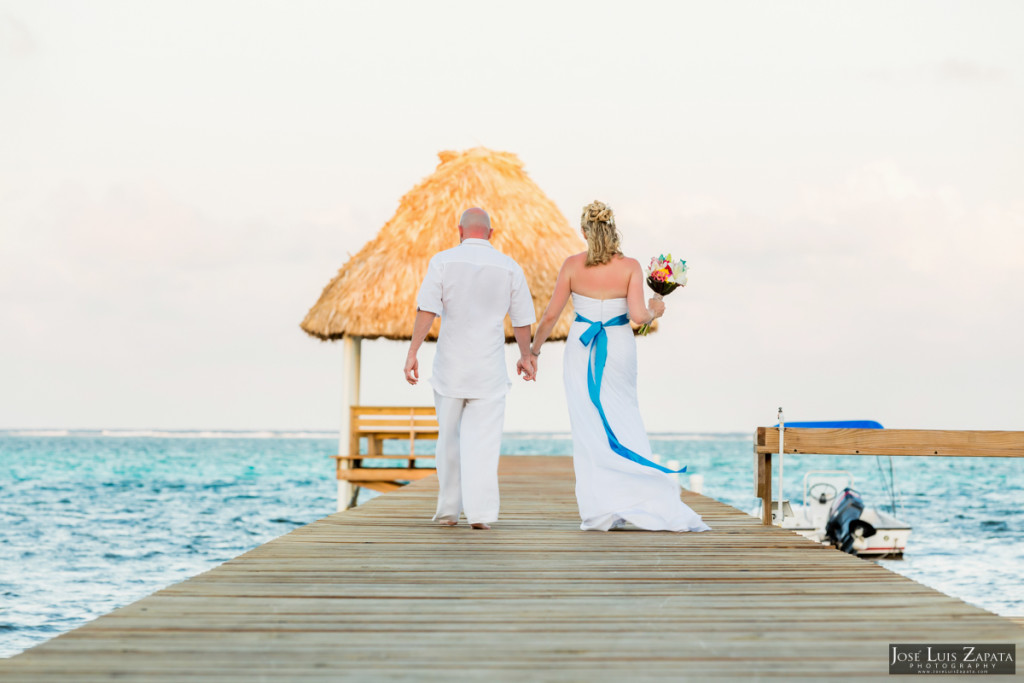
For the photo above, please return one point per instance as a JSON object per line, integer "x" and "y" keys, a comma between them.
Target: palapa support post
{"x": 351, "y": 366}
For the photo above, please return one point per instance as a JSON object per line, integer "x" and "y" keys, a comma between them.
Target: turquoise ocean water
{"x": 91, "y": 521}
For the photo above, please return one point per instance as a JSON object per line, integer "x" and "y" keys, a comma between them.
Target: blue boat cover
{"x": 837, "y": 424}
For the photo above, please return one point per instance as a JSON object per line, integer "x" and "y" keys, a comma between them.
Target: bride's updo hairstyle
{"x": 598, "y": 223}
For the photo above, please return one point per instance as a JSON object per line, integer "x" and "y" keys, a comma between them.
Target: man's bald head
{"x": 475, "y": 223}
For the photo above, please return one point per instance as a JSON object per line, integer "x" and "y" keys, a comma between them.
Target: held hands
{"x": 412, "y": 369}
{"x": 527, "y": 367}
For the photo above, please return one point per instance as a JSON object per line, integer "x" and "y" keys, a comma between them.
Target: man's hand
{"x": 420, "y": 328}
{"x": 412, "y": 370}
{"x": 527, "y": 367}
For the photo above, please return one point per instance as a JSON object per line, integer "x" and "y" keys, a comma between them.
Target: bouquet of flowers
{"x": 663, "y": 276}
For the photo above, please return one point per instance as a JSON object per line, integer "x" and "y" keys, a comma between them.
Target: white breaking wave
{"x": 38, "y": 432}
{"x": 724, "y": 436}
{"x": 172, "y": 433}
{"x": 214, "y": 434}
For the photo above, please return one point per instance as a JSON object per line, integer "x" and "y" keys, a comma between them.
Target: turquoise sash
{"x": 597, "y": 339}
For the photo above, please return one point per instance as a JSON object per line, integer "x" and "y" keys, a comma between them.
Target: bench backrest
{"x": 394, "y": 418}
{"x": 412, "y": 422}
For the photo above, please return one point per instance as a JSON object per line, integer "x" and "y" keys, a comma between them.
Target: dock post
{"x": 762, "y": 473}
{"x": 763, "y": 476}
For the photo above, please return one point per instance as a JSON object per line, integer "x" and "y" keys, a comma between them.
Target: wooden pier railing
{"x": 921, "y": 442}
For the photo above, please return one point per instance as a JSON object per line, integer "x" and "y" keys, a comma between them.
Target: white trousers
{"x": 468, "y": 447}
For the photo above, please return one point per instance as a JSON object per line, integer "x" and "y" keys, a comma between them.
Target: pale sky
{"x": 179, "y": 180}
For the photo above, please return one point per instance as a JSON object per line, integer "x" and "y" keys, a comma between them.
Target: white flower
{"x": 679, "y": 272}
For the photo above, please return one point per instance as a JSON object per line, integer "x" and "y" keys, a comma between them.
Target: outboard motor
{"x": 845, "y": 529}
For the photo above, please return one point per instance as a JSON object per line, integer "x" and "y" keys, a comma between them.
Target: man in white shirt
{"x": 472, "y": 287}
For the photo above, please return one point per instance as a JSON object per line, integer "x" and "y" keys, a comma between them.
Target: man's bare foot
{"x": 448, "y": 522}
{"x": 480, "y": 525}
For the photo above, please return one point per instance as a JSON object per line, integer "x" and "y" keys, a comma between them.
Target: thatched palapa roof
{"x": 374, "y": 293}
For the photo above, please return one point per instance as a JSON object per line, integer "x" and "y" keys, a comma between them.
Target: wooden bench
{"x": 874, "y": 442}
{"x": 378, "y": 424}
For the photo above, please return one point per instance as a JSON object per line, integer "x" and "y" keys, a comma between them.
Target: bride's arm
{"x": 554, "y": 309}
{"x": 638, "y": 312}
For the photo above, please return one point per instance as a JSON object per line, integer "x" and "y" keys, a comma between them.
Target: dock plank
{"x": 380, "y": 593}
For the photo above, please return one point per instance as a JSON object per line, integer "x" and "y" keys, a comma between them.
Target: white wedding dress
{"x": 611, "y": 489}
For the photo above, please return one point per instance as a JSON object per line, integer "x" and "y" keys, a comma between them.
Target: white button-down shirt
{"x": 473, "y": 287}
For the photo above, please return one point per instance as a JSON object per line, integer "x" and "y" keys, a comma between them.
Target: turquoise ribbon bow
{"x": 597, "y": 339}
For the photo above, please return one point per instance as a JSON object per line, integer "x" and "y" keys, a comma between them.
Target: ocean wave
{"x": 206, "y": 434}
{"x": 172, "y": 433}
{"x": 36, "y": 432}
{"x": 700, "y": 436}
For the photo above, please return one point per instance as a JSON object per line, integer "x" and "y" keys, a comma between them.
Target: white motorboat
{"x": 832, "y": 513}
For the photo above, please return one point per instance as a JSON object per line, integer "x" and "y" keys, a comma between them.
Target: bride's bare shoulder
{"x": 575, "y": 261}
{"x": 627, "y": 262}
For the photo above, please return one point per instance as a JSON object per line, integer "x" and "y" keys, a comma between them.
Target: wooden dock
{"x": 381, "y": 593}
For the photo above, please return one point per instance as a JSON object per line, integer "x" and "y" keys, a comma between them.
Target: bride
{"x": 616, "y": 481}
